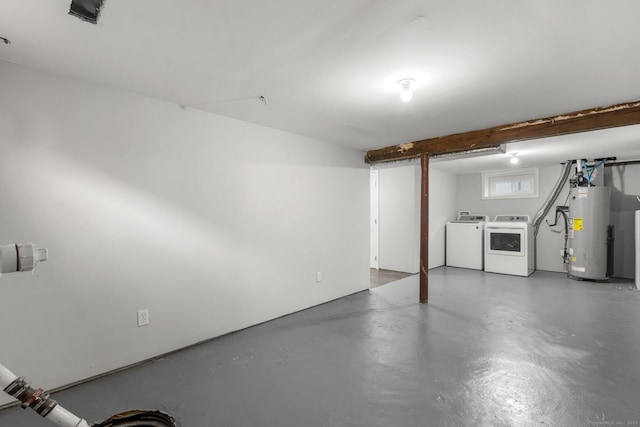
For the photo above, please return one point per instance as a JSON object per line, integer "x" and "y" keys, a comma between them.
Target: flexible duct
{"x": 544, "y": 210}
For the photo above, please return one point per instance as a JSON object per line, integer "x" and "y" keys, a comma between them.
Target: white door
{"x": 373, "y": 222}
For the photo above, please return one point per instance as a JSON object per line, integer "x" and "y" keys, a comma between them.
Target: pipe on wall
{"x": 37, "y": 400}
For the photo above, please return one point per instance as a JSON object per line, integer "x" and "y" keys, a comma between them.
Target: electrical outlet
{"x": 143, "y": 317}
{"x": 319, "y": 276}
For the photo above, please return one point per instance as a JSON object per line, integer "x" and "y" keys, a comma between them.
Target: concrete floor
{"x": 379, "y": 277}
{"x": 488, "y": 350}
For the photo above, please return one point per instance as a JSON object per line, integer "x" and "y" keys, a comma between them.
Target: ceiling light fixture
{"x": 406, "y": 93}
{"x": 467, "y": 154}
{"x": 514, "y": 159}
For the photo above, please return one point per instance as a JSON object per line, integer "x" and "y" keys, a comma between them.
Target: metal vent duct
{"x": 87, "y": 10}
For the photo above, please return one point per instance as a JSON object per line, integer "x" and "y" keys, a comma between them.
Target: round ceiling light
{"x": 406, "y": 92}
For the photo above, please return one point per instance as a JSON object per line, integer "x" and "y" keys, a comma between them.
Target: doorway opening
{"x": 394, "y": 222}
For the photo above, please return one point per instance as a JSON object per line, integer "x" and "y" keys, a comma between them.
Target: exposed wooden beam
{"x": 563, "y": 124}
{"x": 424, "y": 230}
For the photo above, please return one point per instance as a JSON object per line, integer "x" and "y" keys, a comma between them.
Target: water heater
{"x": 589, "y": 210}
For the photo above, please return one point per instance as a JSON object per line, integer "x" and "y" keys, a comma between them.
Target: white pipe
{"x": 58, "y": 415}
{"x": 6, "y": 377}
{"x": 64, "y": 418}
{"x": 579, "y": 165}
{"x": 8, "y": 263}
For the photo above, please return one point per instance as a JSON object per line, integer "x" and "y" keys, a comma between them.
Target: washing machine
{"x": 464, "y": 242}
{"x": 509, "y": 245}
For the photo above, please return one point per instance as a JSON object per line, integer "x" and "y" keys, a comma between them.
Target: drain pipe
{"x": 49, "y": 409}
{"x": 24, "y": 257}
{"x": 37, "y": 400}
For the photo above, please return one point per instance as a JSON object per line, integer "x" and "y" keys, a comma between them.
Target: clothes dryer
{"x": 509, "y": 245}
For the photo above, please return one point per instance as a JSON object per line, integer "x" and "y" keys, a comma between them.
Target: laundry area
{"x": 584, "y": 226}
{"x": 574, "y": 216}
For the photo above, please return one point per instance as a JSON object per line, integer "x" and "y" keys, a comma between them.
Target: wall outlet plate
{"x": 143, "y": 317}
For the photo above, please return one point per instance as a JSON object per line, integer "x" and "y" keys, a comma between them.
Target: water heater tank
{"x": 589, "y": 210}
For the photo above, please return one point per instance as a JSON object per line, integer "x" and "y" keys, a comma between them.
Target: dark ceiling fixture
{"x": 87, "y": 10}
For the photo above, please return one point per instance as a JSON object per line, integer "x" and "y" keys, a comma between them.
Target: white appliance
{"x": 465, "y": 241}
{"x": 508, "y": 245}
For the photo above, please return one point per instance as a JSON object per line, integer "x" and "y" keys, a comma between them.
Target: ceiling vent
{"x": 87, "y": 10}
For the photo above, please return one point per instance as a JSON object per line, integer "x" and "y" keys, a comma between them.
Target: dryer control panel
{"x": 472, "y": 218}
{"x": 512, "y": 218}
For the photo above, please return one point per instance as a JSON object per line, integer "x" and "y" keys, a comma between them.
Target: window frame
{"x": 486, "y": 177}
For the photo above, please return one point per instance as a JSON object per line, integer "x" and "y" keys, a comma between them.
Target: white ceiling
{"x": 328, "y": 69}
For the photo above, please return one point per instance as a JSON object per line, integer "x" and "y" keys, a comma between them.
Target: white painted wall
{"x": 625, "y": 183}
{"x": 399, "y": 214}
{"x": 399, "y": 210}
{"x": 443, "y": 204}
{"x": 211, "y": 223}
{"x": 549, "y": 243}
